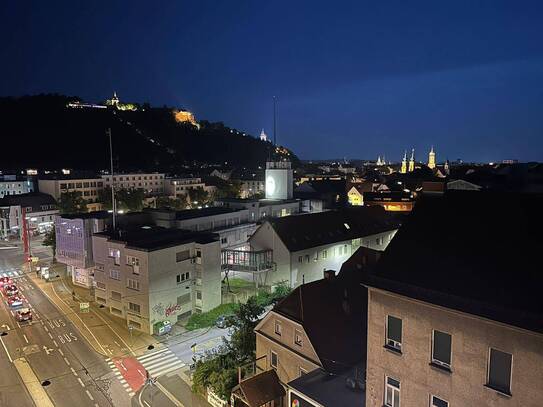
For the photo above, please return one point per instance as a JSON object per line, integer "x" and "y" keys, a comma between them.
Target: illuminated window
{"x": 392, "y": 392}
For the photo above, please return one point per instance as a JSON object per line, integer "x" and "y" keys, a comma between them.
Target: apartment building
{"x": 454, "y": 305}
{"x": 57, "y": 185}
{"x": 305, "y": 245}
{"x": 251, "y": 187}
{"x": 232, "y": 225}
{"x": 13, "y": 185}
{"x": 40, "y": 210}
{"x": 151, "y": 183}
{"x": 312, "y": 339}
{"x": 262, "y": 208}
{"x": 147, "y": 274}
{"x": 180, "y": 187}
{"x": 74, "y": 243}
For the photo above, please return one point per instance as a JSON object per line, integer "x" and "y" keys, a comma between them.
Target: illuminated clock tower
{"x": 279, "y": 180}
{"x": 432, "y": 159}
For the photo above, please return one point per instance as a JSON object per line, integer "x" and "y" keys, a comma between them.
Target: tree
{"x": 50, "y": 240}
{"x": 198, "y": 196}
{"x": 171, "y": 203}
{"x": 130, "y": 199}
{"x": 243, "y": 340}
{"x": 104, "y": 197}
{"x": 71, "y": 202}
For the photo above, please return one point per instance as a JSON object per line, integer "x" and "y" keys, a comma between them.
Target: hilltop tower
{"x": 447, "y": 168}
{"x": 263, "y": 136}
{"x": 412, "y": 161}
{"x": 432, "y": 159}
{"x": 403, "y": 170}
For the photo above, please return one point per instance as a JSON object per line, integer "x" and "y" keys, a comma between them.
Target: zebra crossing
{"x": 157, "y": 363}
{"x": 161, "y": 362}
{"x": 12, "y": 273}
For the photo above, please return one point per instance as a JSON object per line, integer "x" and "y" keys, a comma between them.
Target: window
{"x": 307, "y": 258}
{"x": 183, "y": 299}
{"x": 499, "y": 371}
{"x": 324, "y": 254}
{"x": 298, "y": 337}
{"x": 392, "y": 392}
{"x": 132, "y": 261}
{"x": 134, "y": 307}
{"x": 133, "y": 284}
{"x": 100, "y": 285}
{"x": 437, "y": 402}
{"x": 180, "y": 256}
{"x": 278, "y": 328}
{"x": 224, "y": 240}
{"x": 115, "y": 296}
{"x": 114, "y": 274}
{"x": 116, "y": 255}
{"x": 300, "y": 259}
{"x": 441, "y": 349}
{"x": 274, "y": 359}
{"x": 394, "y": 333}
{"x": 198, "y": 295}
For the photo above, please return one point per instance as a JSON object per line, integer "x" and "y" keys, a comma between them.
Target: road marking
{"x": 60, "y": 351}
{"x": 168, "y": 394}
{"x": 90, "y": 395}
{"x": 147, "y": 404}
{"x": 50, "y": 336}
{"x": 55, "y": 342}
{"x": 125, "y": 385}
{"x": 6, "y": 349}
{"x": 46, "y": 329}
{"x": 67, "y": 362}
{"x": 73, "y": 371}
{"x": 131, "y": 394}
{"x": 26, "y": 339}
{"x": 80, "y": 382}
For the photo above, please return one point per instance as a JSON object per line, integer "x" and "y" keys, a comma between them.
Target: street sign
{"x": 84, "y": 307}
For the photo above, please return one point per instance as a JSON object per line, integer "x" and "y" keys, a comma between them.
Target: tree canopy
{"x": 72, "y": 202}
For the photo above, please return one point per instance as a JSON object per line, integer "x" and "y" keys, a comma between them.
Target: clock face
{"x": 270, "y": 185}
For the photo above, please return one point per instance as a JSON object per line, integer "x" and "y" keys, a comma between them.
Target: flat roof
{"x": 150, "y": 238}
{"x": 87, "y": 215}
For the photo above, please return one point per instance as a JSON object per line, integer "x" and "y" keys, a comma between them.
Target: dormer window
{"x": 278, "y": 327}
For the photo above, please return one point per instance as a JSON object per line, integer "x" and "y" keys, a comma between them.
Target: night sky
{"x": 353, "y": 79}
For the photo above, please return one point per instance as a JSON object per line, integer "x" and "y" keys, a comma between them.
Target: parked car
{"x": 15, "y": 301}
{"x": 10, "y": 290}
{"x": 224, "y": 321}
{"x": 5, "y": 281}
{"x": 23, "y": 315}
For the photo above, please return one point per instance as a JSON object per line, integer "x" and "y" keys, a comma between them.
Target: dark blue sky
{"x": 353, "y": 79}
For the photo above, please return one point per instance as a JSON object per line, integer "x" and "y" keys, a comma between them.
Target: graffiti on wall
{"x": 171, "y": 309}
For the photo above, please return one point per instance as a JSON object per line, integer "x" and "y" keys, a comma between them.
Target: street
{"x": 88, "y": 359}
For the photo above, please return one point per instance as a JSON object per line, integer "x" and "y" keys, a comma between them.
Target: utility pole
{"x": 113, "y": 204}
{"x": 274, "y": 121}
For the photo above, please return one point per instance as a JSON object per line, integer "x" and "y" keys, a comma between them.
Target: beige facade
{"x": 286, "y": 339}
{"x": 472, "y": 337}
{"x": 151, "y": 183}
{"x": 88, "y": 187}
{"x": 148, "y": 286}
{"x": 180, "y": 187}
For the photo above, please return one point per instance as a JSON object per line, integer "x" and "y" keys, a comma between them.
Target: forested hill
{"x": 41, "y": 131}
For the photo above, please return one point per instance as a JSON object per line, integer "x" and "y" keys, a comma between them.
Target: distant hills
{"x": 43, "y": 132}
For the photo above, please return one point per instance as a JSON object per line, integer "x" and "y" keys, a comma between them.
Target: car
{"x": 224, "y": 321}
{"x": 5, "y": 281}
{"x": 23, "y": 315}
{"x": 10, "y": 290}
{"x": 15, "y": 301}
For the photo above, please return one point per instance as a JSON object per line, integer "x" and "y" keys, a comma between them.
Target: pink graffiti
{"x": 171, "y": 309}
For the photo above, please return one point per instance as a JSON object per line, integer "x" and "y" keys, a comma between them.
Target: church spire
{"x": 403, "y": 169}
{"x": 432, "y": 159}
{"x": 412, "y": 161}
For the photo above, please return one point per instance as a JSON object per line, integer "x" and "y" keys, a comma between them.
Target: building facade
{"x": 179, "y": 188}
{"x": 11, "y": 185}
{"x": 150, "y": 275}
{"x": 40, "y": 210}
{"x": 87, "y": 187}
{"x": 151, "y": 183}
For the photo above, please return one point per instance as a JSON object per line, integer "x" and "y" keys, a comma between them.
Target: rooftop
{"x": 33, "y": 199}
{"x": 475, "y": 252}
{"x": 87, "y": 215}
{"x": 150, "y": 238}
{"x": 300, "y": 232}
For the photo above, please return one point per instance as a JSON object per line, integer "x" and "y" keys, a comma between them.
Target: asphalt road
{"x": 54, "y": 348}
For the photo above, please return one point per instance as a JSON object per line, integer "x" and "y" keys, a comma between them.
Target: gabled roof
{"x": 301, "y": 232}
{"x": 333, "y": 314}
{"x": 476, "y": 252}
{"x": 261, "y": 388}
{"x": 32, "y": 199}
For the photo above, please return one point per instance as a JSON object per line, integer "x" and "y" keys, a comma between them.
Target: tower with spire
{"x": 263, "y": 136}
{"x": 379, "y": 161}
{"x": 403, "y": 169}
{"x": 412, "y": 161}
{"x": 432, "y": 159}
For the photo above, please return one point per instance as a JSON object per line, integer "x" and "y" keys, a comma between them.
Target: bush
{"x": 207, "y": 319}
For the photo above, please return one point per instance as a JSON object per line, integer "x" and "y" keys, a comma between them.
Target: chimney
{"x": 329, "y": 274}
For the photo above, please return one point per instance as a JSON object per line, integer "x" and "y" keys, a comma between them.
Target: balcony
{"x": 247, "y": 260}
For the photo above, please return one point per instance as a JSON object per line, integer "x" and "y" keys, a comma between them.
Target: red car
{"x": 23, "y": 315}
{"x": 5, "y": 281}
{"x": 15, "y": 301}
{"x": 10, "y": 290}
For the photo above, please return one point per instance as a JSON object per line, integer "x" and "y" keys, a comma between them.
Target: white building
{"x": 179, "y": 188}
{"x": 279, "y": 180}
{"x": 148, "y": 275}
{"x": 56, "y": 186}
{"x": 11, "y": 185}
{"x": 40, "y": 212}
{"x": 151, "y": 183}
{"x": 305, "y": 245}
